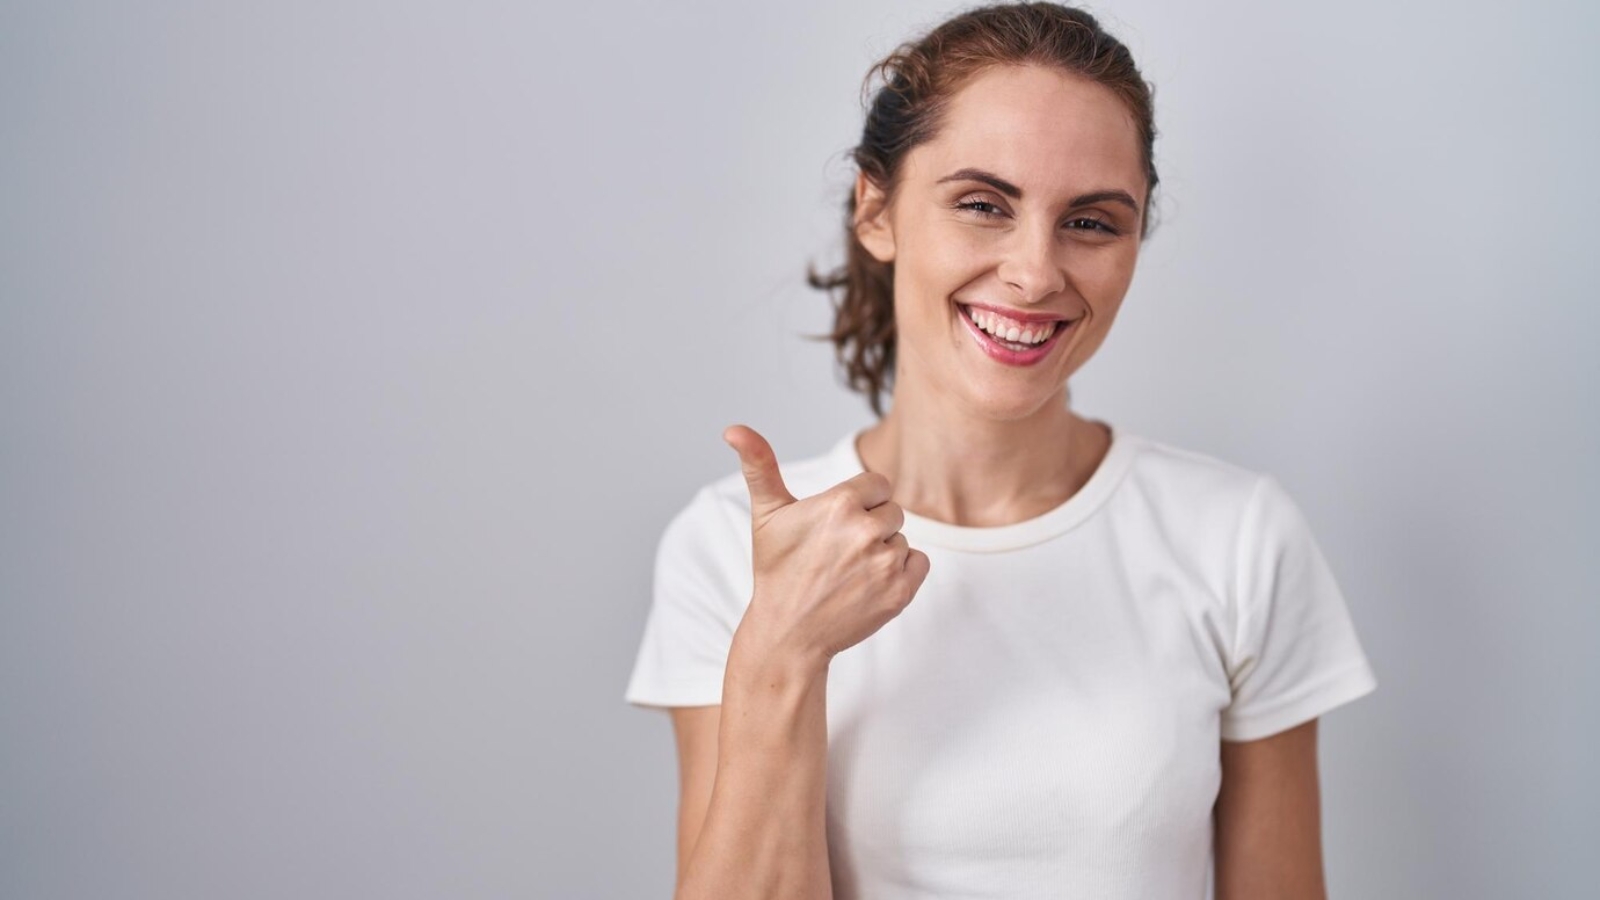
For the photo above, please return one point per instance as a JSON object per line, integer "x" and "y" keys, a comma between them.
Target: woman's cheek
{"x": 1104, "y": 279}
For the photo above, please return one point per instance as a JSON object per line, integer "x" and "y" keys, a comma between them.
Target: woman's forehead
{"x": 1040, "y": 128}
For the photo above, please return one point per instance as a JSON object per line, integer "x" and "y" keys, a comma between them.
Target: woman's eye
{"x": 1094, "y": 225}
{"x": 982, "y": 207}
{"x": 985, "y": 209}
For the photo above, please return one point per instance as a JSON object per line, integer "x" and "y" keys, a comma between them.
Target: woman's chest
{"x": 1059, "y": 727}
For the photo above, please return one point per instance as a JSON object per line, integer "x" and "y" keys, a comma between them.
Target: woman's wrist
{"x": 761, "y": 656}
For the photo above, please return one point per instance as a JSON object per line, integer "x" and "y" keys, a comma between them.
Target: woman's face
{"x": 1027, "y": 202}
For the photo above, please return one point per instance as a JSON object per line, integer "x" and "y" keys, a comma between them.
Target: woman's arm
{"x": 828, "y": 572}
{"x": 1269, "y": 819}
{"x": 764, "y": 833}
{"x": 695, "y": 729}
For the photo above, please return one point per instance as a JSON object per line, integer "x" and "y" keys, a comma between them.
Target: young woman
{"x": 1081, "y": 662}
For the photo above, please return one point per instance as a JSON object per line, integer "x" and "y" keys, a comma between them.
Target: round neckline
{"x": 920, "y": 530}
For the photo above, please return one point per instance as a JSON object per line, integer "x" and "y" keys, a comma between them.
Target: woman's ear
{"x": 872, "y": 220}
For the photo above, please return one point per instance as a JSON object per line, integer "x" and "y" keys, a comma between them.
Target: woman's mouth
{"x": 1011, "y": 342}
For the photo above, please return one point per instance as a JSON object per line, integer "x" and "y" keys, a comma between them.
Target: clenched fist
{"x": 830, "y": 569}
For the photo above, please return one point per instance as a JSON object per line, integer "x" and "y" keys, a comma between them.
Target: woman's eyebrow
{"x": 1015, "y": 193}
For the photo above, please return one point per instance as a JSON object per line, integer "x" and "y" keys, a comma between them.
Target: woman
{"x": 1082, "y": 663}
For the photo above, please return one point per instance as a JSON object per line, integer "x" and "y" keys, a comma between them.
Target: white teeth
{"x": 992, "y": 324}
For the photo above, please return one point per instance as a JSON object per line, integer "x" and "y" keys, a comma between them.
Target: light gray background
{"x": 353, "y": 355}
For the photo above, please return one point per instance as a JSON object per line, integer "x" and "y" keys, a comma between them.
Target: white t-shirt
{"x": 1043, "y": 719}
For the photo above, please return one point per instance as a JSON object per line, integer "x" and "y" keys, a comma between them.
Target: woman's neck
{"x": 982, "y": 472}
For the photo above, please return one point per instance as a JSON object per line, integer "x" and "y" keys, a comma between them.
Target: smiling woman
{"x": 1081, "y": 662}
{"x": 1045, "y": 226}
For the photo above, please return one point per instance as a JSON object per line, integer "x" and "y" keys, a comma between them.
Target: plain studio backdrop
{"x": 354, "y": 355}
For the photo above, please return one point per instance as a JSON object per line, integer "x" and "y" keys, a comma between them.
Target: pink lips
{"x": 1001, "y": 353}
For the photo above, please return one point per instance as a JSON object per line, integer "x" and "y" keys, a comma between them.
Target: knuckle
{"x": 921, "y": 565}
{"x": 902, "y": 594}
{"x": 866, "y": 531}
{"x": 843, "y": 499}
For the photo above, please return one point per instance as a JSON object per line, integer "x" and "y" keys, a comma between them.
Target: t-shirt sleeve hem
{"x": 667, "y": 694}
{"x": 1348, "y": 684}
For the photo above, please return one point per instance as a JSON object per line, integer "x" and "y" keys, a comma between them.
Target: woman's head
{"x": 988, "y": 170}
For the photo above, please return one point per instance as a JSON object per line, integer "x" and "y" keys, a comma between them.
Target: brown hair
{"x": 919, "y": 79}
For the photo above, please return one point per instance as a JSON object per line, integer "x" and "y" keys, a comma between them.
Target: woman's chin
{"x": 1009, "y": 402}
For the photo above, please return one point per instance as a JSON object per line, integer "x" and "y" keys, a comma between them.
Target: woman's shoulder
{"x": 1188, "y": 459}
{"x": 1204, "y": 505}
{"x": 1184, "y": 476}
{"x": 1204, "y": 495}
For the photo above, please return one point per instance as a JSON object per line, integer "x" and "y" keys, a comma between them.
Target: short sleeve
{"x": 1295, "y": 654}
{"x": 701, "y": 588}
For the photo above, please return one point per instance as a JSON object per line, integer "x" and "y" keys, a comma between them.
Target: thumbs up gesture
{"x": 831, "y": 569}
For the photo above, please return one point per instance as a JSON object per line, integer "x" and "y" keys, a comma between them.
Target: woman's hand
{"x": 830, "y": 569}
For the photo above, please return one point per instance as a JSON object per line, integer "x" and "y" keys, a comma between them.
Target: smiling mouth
{"x": 1011, "y": 334}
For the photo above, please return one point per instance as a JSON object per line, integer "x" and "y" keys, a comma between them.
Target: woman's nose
{"x": 1032, "y": 264}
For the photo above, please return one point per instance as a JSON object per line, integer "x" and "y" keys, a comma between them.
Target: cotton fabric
{"x": 1043, "y": 720}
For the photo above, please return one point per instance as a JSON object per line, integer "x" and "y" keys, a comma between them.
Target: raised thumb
{"x": 767, "y": 491}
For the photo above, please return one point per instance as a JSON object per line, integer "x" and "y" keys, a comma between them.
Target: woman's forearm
{"x": 765, "y": 832}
